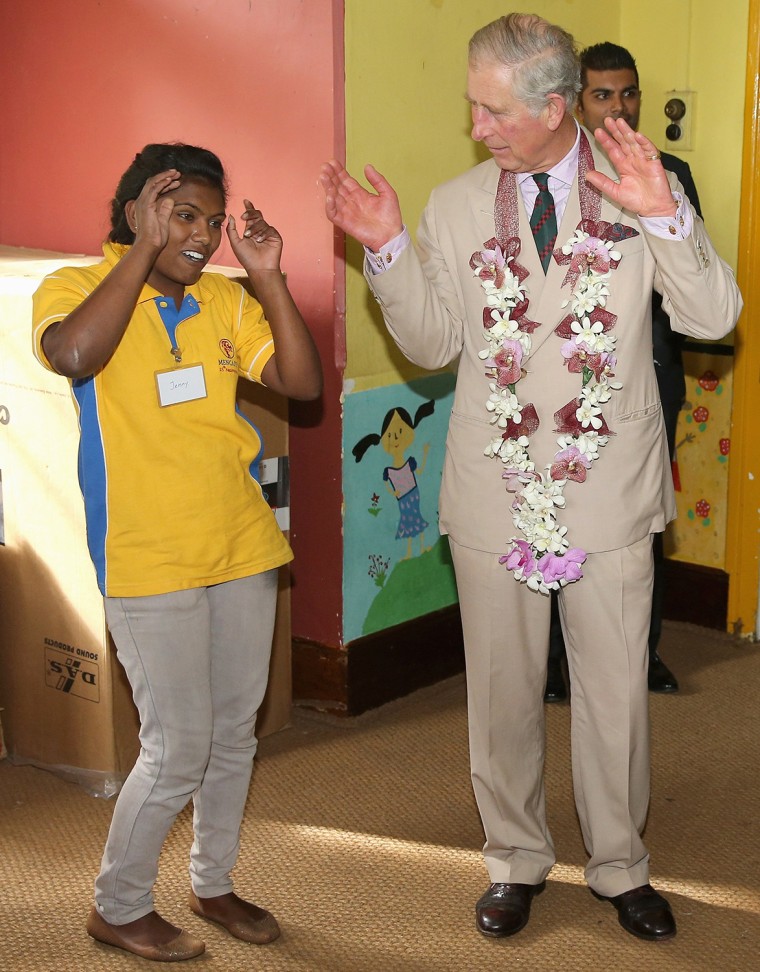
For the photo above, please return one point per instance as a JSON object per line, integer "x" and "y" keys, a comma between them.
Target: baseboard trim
{"x": 696, "y": 594}
{"x": 390, "y": 664}
{"x": 380, "y": 667}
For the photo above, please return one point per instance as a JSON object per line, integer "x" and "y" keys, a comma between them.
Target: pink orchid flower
{"x": 507, "y": 362}
{"x": 551, "y": 568}
{"x": 603, "y": 364}
{"x": 520, "y": 558}
{"x": 570, "y": 463}
{"x": 490, "y": 264}
{"x": 577, "y": 356}
{"x": 592, "y": 254}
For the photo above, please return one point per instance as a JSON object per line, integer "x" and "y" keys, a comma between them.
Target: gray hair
{"x": 542, "y": 58}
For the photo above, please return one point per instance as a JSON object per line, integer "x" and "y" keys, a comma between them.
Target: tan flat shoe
{"x": 132, "y": 939}
{"x": 240, "y": 918}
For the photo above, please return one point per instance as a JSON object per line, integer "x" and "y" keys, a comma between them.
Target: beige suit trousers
{"x": 605, "y": 619}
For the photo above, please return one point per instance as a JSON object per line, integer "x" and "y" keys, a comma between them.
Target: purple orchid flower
{"x": 520, "y": 558}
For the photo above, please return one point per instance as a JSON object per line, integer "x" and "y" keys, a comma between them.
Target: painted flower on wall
{"x": 701, "y": 512}
{"x": 700, "y": 415}
{"x": 708, "y": 381}
{"x": 378, "y": 569}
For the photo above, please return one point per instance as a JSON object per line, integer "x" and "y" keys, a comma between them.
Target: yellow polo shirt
{"x": 171, "y": 492}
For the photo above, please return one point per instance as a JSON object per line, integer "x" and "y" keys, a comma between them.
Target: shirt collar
{"x": 565, "y": 170}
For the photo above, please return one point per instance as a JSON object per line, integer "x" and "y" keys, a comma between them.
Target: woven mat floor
{"x": 363, "y": 838}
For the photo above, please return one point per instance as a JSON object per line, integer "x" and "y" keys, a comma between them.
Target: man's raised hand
{"x": 643, "y": 187}
{"x": 372, "y": 218}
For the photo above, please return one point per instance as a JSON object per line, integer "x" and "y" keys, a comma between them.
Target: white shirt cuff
{"x": 676, "y": 227}
{"x": 379, "y": 261}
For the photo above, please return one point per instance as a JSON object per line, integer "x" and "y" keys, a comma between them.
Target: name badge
{"x": 184, "y": 384}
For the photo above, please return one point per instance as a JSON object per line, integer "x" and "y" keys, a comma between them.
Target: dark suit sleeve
{"x": 666, "y": 343}
{"x": 673, "y": 164}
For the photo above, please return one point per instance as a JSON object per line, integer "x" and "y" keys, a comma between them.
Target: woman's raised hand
{"x": 260, "y": 246}
{"x": 150, "y": 213}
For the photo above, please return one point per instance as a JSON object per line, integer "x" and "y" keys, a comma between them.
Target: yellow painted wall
{"x": 701, "y": 46}
{"x": 406, "y": 67}
{"x": 703, "y": 452}
{"x": 405, "y": 111}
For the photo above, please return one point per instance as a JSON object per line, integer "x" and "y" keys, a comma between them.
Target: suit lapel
{"x": 480, "y": 201}
{"x": 610, "y": 210}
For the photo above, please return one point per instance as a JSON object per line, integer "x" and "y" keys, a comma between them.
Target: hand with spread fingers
{"x": 148, "y": 215}
{"x": 260, "y": 246}
{"x": 371, "y": 218}
{"x": 643, "y": 187}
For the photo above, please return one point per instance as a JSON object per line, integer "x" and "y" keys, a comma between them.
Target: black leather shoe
{"x": 505, "y": 908}
{"x": 555, "y": 691}
{"x": 644, "y": 913}
{"x": 660, "y": 678}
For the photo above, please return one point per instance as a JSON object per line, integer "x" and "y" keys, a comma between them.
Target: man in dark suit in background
{"x": 610, "y": 88}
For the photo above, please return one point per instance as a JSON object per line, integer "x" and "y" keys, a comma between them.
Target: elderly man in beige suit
{"x": 535, "y": 270}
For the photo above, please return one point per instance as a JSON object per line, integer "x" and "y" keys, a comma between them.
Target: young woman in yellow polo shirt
{"x": 185, "y": 546}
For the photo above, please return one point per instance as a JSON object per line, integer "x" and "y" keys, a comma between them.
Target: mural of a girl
{"x": 396, "y": 437}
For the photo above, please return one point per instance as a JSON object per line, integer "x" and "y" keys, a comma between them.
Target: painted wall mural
{"x": 700, "y": 467}
{"x": 396, "y": 565}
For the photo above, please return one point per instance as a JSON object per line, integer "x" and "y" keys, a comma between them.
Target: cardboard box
{"x": 66, "y": 702}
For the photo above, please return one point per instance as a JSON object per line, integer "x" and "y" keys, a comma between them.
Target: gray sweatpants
{"x": 198, "y": 663}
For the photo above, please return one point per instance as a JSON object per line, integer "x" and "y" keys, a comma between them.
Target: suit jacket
{"x": 433, "y": 307}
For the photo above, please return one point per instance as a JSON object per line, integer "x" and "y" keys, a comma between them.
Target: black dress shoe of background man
{"x": 556, "y": 690}
{"x": 660, "y": 677}
{"x": 505, "y": 908}
{"x": 644, "y": 913}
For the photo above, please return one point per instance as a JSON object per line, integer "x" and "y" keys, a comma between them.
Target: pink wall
{"x": 87, "y": 84}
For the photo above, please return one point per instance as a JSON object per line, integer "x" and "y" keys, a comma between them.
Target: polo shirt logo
{"x": 227, "y": 348}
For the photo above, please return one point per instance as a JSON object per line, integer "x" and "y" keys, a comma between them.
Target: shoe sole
{"x": 668, "y": 936}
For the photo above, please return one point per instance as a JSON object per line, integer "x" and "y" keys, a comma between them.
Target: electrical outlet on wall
{"x": 679, "y": 120}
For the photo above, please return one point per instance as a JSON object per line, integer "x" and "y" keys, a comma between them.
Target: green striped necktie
{"x": 543, "y": 220}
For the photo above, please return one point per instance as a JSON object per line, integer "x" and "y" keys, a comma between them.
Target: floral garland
{"x": 543, "y": 557}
